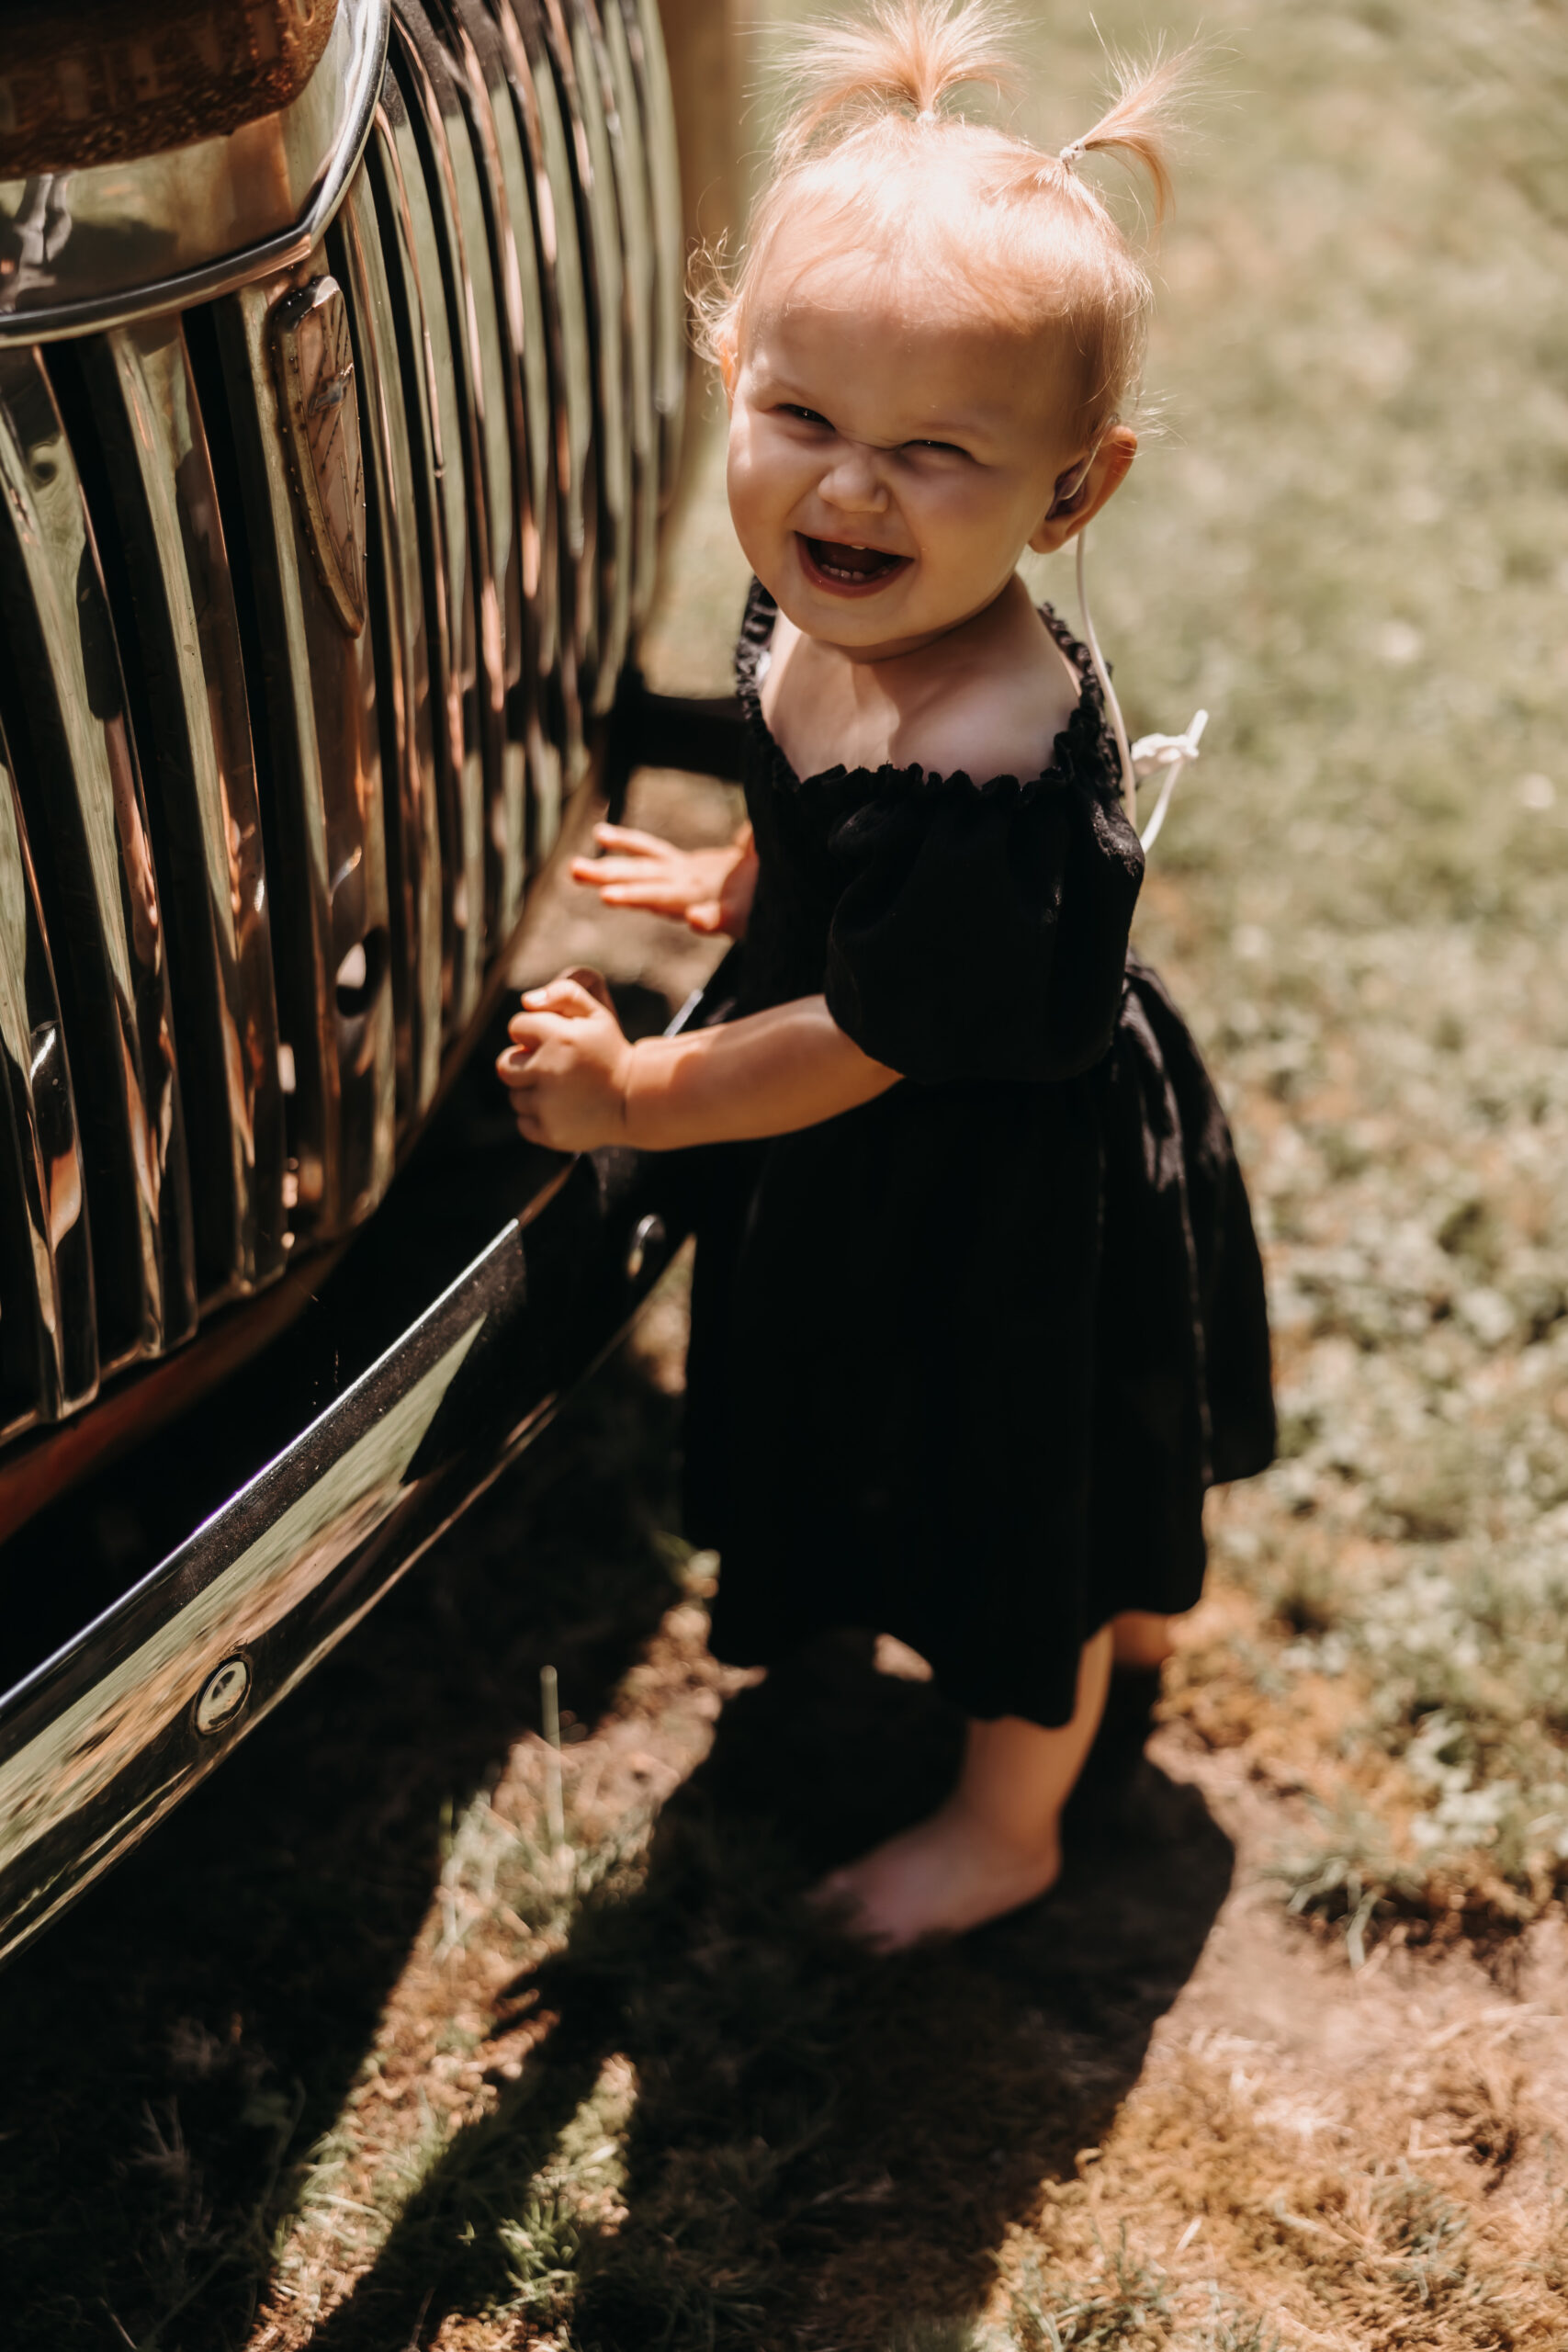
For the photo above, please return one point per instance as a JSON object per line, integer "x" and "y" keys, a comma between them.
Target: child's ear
{"x": 1083, "y": 490}
{"x": 729, "y": 367}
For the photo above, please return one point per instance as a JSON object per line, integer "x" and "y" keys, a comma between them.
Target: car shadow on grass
{"x": 823, "y": 2148}
{"x": 177, "y": 2044}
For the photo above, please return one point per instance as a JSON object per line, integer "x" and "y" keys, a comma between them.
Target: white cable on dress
{"x": 1150, "y": 753}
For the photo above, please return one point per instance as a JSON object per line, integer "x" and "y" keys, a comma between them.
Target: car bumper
{"x": 100, "y": 1740}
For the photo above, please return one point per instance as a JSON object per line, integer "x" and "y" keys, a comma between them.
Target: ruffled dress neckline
{"x": 1083, "y": 750}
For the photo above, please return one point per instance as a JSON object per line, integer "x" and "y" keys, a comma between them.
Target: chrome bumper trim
{"x": 114, "y": 243}
{"x": 99, "y": 1742}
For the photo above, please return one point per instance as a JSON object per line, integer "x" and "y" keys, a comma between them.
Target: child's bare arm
{"x": 710, "y": 889}
{"x": 577, "y": 1081}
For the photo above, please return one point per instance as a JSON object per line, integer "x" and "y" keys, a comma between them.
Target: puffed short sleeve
{"x": 982, "y": 933}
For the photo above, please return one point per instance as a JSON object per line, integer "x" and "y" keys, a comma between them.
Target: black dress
{"x": 965, "y": 1359}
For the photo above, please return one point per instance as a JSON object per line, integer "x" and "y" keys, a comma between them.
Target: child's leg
{"x": 996, "y": 1841}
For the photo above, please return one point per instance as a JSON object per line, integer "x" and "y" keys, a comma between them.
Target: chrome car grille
{"x": 276, "y": 777}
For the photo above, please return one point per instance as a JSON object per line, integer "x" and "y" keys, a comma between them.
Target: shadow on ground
{"x": 171, "y": 2047}
{"x": 822, "y": 2148}
{"x": 825, "y": 2150}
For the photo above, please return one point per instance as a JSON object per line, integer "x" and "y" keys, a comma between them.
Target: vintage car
{"x": 343, "y": 362}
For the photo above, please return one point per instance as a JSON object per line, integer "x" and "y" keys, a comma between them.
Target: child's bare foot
{"x": 998, "y": 1840}
{"x": 947, "y": 1874}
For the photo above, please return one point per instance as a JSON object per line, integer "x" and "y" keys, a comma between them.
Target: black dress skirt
{"x": 964, "y": 1361}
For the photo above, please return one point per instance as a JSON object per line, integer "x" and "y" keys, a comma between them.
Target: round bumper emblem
{"x": 223, "y": 1694}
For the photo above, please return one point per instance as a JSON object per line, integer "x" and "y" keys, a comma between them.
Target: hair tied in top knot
{"x": 903, "y": 58}
{"x": 876, "y": 154}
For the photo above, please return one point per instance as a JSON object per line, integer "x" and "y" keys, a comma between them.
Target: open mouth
{"x": 833, "y": 563}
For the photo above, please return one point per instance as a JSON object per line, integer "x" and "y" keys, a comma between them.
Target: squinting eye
{"x": 945, "y": 448}
{"x": 801, "y": 415}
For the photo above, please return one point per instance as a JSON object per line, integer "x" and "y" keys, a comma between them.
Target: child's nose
{"x": 853, "y": 481}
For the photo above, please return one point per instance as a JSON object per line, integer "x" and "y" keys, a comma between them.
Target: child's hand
{"x": 710, "y": 889}
{"x": 568, "y": 1065}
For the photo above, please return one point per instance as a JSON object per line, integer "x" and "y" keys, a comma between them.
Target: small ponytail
{"x": 907, "y": 58}
{"x": 1137, "y": 126}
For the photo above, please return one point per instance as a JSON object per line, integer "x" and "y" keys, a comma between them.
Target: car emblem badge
{"x": 321, "y": 426}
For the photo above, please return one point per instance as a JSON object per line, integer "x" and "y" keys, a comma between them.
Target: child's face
{"x": 891, "y": 458}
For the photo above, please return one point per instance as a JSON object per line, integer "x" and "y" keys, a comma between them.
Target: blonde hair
{"x": 873, "y": 111}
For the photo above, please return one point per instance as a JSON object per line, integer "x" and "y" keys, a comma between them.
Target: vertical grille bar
{"x": 576, "y": 61}
{"x": 331, "y": 944}
{"x": 432, "y": 94}
{"x": 87, "y": 824}
{"x": 504, "y": 178}
{"x": 629, "y": 154}
{"x": 445, "y": 283}
{"x": 397, "y": 590}
{"x": 412, "y": 256}
{"x": 571, "y": 357}
{"x": 195, "y": 737}
{"x": 645, "y": 39}
{"x": 49, "y": 1341}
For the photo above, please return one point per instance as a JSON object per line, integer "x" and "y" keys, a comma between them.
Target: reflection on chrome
{"x": 314, "y": 1512}
{"x": 199, "y": 751}
{"x": 49, "y": 1361}
{"x": 531, "y": 763}
{"x": 87, "y": 824}
{"x": 115, "y": 242}
{"x": 435, "y": 95}
{"x": 570, "y": 358}
{"x": 497, "y": 311}
{"x": 331, "y": 889}
{"x": 630, "y": 159}
{"x": 428, "y": 194}
{"x": 656, "y": 100}
{"x": 583, "y": 73}
{"x": 408, "y": 748}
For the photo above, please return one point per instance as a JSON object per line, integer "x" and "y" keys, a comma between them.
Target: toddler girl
{"x": 978, "y": 1312}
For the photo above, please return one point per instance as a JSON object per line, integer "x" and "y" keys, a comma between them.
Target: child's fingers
{"x": 566, "y": 996}
{"x": 607, "y": 873}
{"x": 591, "y": 982}
{"x": 596, "y": 870}
{"x": 626, "y": 837}
{"x": 658, "y": 898}
{"x": 530, "y": 1031}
